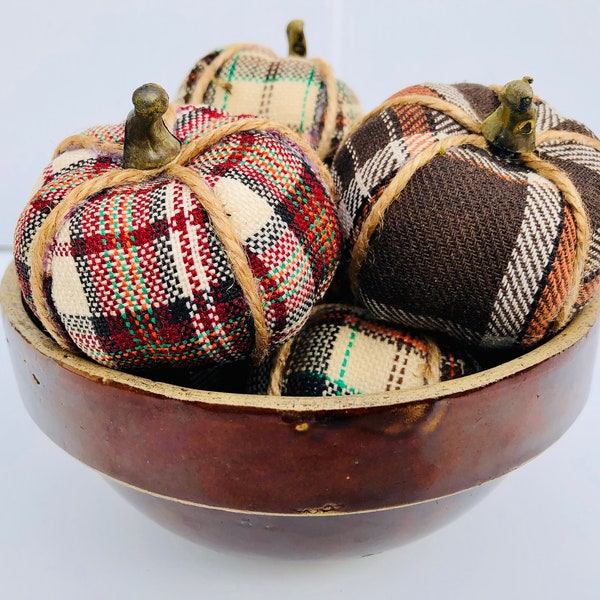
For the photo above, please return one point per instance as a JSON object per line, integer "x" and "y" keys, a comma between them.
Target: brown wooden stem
{"x": 511, "y": 127}
{"x": 148, "y": 142}
{"x": 296, "y": 39}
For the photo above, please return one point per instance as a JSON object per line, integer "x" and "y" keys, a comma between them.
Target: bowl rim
{"x": 15, "y": 313}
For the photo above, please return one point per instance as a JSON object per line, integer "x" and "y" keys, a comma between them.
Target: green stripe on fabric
{"x": 305, "y": 99}
{"x": 230, "y": 79}
{"x": 123, "y": 260}
{"x": 348, "y": 351}
{"x": 301, "y": 268}
{"x": 102, "y": 213}
{"x": 145, "y": 295}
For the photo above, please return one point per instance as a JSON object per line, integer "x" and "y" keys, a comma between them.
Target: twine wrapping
{"x": 392, "y": 191}
{"x": 42, "y": 242}
{"x": 207, "y": 76}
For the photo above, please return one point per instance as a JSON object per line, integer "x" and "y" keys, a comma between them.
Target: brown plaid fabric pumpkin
{"x": 298, "y": 92}
{"x": 343, "y": 350}
{"x": 139, "y": 274}
{"x": 496, "y": 249}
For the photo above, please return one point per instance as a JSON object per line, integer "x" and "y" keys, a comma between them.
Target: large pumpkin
{"x": 299, "y": 92}
{"x": 448, "y": 230}
{"x": 216, "y": 256}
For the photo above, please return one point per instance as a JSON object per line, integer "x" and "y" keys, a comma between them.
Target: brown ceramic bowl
{"x": 302, "y": 477}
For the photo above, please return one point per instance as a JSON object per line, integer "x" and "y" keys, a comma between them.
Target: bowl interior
{"x": 15, "y": 313}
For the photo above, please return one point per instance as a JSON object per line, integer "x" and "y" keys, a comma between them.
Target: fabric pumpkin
{"x": 343, "y": 350}
{"x": 298, "y": 92}
{"x": 140, "y": 274}
{"x": 444, "y": 232}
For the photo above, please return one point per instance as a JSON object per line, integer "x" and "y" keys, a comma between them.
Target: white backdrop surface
{"x": 70, "y": 64}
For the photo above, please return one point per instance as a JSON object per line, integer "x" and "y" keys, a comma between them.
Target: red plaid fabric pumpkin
{"x": 446, "y": 233}
{"x": 139, "y": 274}
{"x": 298, "y": 92}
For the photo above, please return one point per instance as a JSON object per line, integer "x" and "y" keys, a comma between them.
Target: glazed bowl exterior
{"x": 301, "y": 477}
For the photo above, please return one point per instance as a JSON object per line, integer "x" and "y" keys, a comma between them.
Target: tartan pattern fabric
{"x": 287, "y": 90}
{"x": 343, "y": 350}
{"x": 477, "y": 245}
{"x": 136, "y": 275}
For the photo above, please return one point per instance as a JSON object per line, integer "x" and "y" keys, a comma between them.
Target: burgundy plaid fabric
{"x": 476, "y": 245}
{"x": 136, "y": 275}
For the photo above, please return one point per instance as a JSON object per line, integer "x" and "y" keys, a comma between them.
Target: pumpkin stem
{"x": 148, "y": 142}
{"x": 296, "y": 39}
{"x": 511, "y": 127}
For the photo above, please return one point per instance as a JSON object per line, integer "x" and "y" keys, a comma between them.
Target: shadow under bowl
{"x": 301, "y": 477}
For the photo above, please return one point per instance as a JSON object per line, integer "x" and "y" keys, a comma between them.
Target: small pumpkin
{"x": 201, "y": 244}
{"x": 471, "y": 210}
{"x": 299, "y": 92}
{"x": 343, "y": 350}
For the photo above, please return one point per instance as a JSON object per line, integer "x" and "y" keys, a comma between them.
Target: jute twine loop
{"x": 433, "y": 364}
{"x": 233, "y": 249}
{"x": 331, "y": 109}
{"x": 558, "y": 135}
{"x": 45, "y": 235}
{"x": 210, "y": 71}
{"x": 87, "y": 142}
{"x": 196, "y": 147}
{"x": 462, "y": 117}
{"x": 393, "y": 190}
{"x": 278, "y": 368}
{"x": 473, "y": 137}
{"x": 574, "y": 201}
{"x": 177, "y": 170}
{"x": 279, "y": 362}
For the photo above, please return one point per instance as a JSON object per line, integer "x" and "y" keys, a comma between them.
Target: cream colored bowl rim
{"x": 12, "y": 305}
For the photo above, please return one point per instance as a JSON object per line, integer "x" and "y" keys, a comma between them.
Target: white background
{"x": 64, "y": 534}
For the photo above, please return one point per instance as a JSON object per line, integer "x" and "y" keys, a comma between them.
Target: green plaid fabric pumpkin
{"x": 298, "y": 92}
{"x": 343, "y": 350}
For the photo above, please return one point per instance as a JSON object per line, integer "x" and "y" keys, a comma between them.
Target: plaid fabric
{"x": 287, "y": 90}
{"x": 478, "y": 246}
{"x": 136, "y": 275}
{"x": 342, "y": 350}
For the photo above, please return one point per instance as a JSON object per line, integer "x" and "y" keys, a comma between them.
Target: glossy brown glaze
{"x": 300, "y": 456}
{"x": 330, "y": 535}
